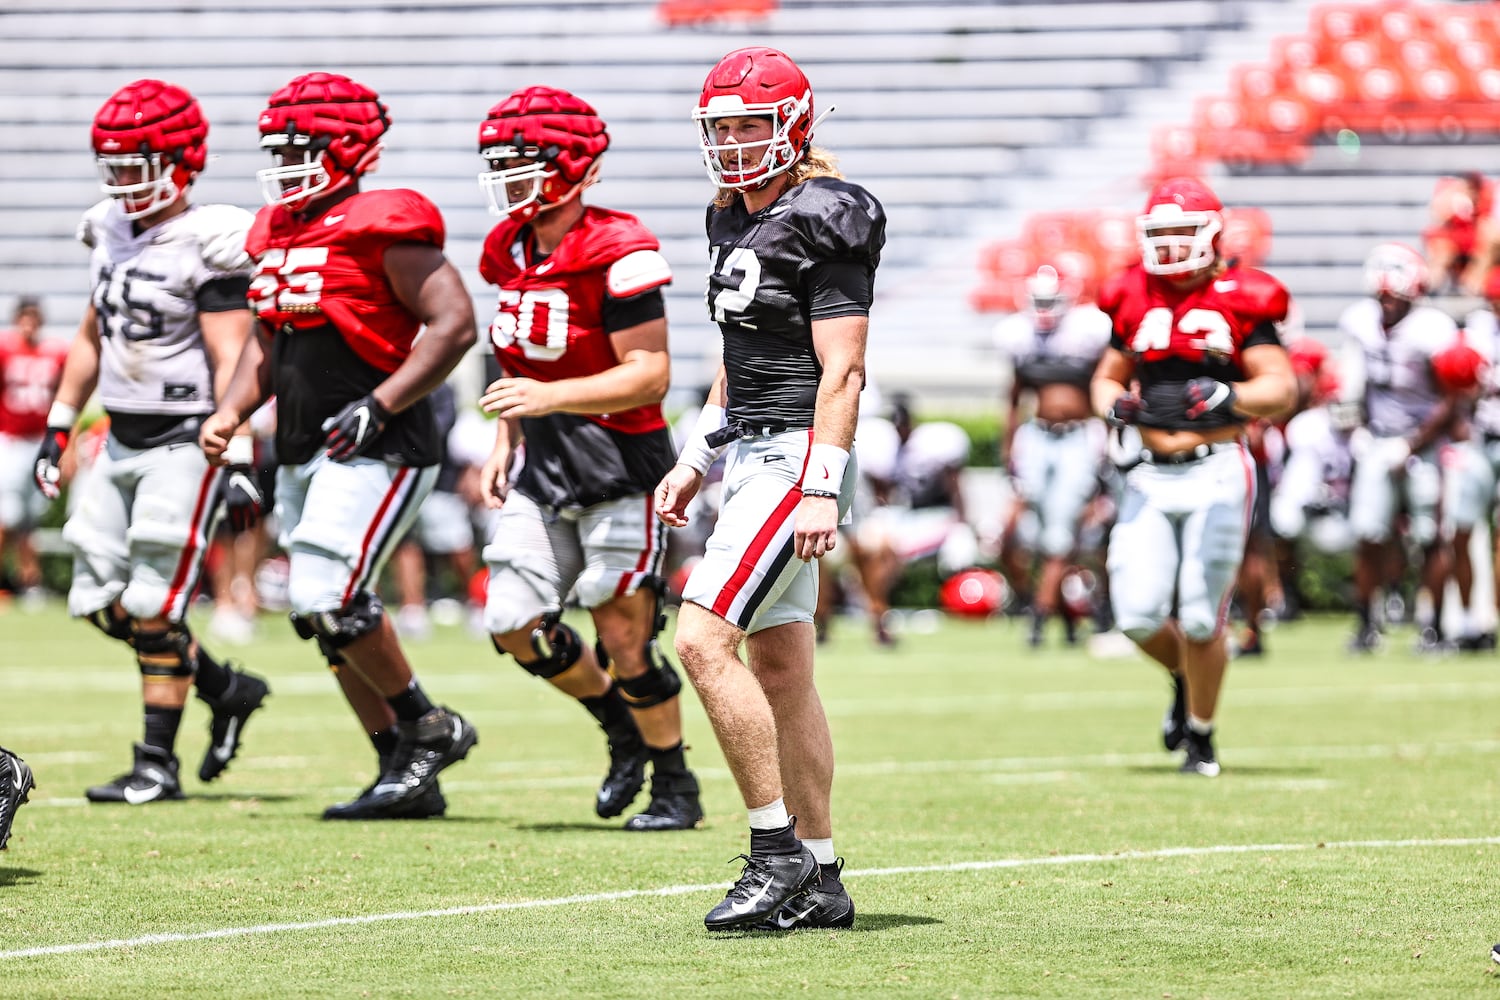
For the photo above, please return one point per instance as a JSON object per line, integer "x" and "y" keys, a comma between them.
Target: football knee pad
{"x": 336, "y": 629}
{"x": 556, "y": 645}
{"x": 661, "y": 681}
{"x": 106, "y": 621}
{"x": 163, "y": 652}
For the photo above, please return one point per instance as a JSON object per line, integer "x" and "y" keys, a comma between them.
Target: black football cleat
{"x": 428, "y": 805}
{"x": 1366, "y": 639}
{"x": 1201, "y": 759}
{"x": 16, "y": 784}
{"x": 231, "y": 710}
{"x": 767, "y": 881}
{"x": 674, "y": 804}
{"x": 1174, "y": 723}
{"x": 826, "y": 904}
{"x": 426, "y": 747}
{"x": 152, "y": 778}
{"x": 626, "y": 777}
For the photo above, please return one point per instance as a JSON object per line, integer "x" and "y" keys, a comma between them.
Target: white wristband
{"x": 240, "y": 450}
{"x": 825, "y": 469}
{"x": 696, "y": 454}
{"x": 62, "y": 415}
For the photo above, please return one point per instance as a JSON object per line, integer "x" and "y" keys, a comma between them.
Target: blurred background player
{"x": 581, "y": 337}
{"x": 1201, "y": 337}
{"x": 1456, "y": 244}
{"x": 1053, "y": 457}
{"x": 158, "y": 340}
{"x": 1468, "y": 369}
{"x": 1396, "y": 465}
{"x": 794, "y": 249}
{"x": 344, "y": 279}
{"x": 29, "y": 371}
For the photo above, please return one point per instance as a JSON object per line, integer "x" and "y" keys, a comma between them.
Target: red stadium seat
{"x": 1247, "y": 235}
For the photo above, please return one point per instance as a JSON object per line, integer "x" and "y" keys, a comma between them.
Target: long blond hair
{"x": 816, "y": 162}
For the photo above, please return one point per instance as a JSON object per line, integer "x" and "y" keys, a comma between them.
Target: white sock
{"x": 822, "y": 849}
{"x": 771, "y": 816}
{"x": 1198, "y": 726}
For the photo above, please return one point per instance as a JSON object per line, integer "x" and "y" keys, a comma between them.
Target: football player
{"x": 793, "y": 252}
{"x": 164, "y": 323}
{"x": 1054, "y": 457}
{"x": 1468, "y": 368}
{"x": 581, "y": 337}
{"x": 1200, "y": 336}
{"x": 1409, "y": 417}
{"x": 29, "y": 370}
{"x": 344, "y": 279}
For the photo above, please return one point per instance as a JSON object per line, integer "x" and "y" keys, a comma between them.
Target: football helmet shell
{"x": 973, "y": 593}
{"x": 149, "y": 144}
{"x": 334, "y": 123}
{"x": 1180, "y": 203}
{"x": 755, "y": 82}
{"x": 1396, "y": 269}
{"x": 562, "y": 135}
{"x": 1458, "y": 368}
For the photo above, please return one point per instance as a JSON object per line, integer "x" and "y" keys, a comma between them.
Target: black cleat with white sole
{"x": 1201, "y": 759}
{"x": 674, "y": 803}
{"x": 430, "y": 804}
{"x": 825, "y": 905}
{"x": 231, "y": 710}
{"x": 1174, "y": 723}
{"x": 151, "y": 778}
{"x": 16, "y": 784}
{"x": 628, "y": 757}
{"x": 767, "y": 881}
{"x": 426, "y": 747}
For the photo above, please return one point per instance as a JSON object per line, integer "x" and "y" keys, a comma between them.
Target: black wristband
{"x": 820, "y": 493}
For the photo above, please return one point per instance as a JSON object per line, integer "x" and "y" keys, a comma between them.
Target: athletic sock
{"x": 1197, "y": 725}
{"x": 668, "y": 761}
{"x": 161, "y": 727}
{"x": 822, "y": 849}
{"x": 411, "y": 704}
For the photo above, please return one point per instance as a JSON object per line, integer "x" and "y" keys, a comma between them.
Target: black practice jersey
{"x": 809, "y": 255}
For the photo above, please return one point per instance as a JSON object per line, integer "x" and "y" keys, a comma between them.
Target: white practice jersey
{"x": 1400, "y": 391}
{"x": 1319, "y": 465}
{"x": 1482, "y": 332}
{"x": 145, "y": 290}
{"x": 1067, "y": 354}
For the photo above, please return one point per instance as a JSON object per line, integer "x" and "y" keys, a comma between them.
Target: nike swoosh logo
{"x": 332, "y": 220}
{"x": 139, "y": 796}
{"x": 778, "y": 209}
{"x": 15, "y": 777}
{"x": 1226, "y": 286}
{"x": 544, "y": 268}
{"x": 786, "y": 924}
{"x": 363, "y": 414}
{"x": 389, "y": 788}
{"x": 224, "y": 751}
{"x": 749, "y": 904}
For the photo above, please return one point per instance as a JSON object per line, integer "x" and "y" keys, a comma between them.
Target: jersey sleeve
{"x": 397, "y": 216}
{"x": 90, "y": 225}
{"x": 849, "y": 225}
{"x": 637, "y": 272}
{"x": 494, "y": 262}
{"x": 221, "y": 232}
{"x": 1261, "y": 298}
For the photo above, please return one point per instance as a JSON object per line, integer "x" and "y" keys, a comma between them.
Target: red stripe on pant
{"x": 762, "y": 540}
{"x": 648, "y": 550}
{"x": 365, "y": 546}
{"x": 192, "y": 552}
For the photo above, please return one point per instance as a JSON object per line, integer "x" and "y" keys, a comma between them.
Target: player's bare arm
{"x": 685, "y": 478}
{"x": 1110, "y": 381}
{"x": 1270, "y": 388}
{"x": 494, "y": 477}
{"x": 639, "y": 379}
{"x": 224, "y": 338}
{"x": 80, "y": 372}
{"x": 840, "y": 346}
{"x": 429, "y": 286}
{"x": 249, "y": 386}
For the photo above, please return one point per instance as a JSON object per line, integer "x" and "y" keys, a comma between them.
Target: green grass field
{"x": 1011, "y": 826}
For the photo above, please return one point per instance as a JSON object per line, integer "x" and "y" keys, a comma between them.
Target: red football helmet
{"x": 324, "y": 132}
{"x": 973, "y": 593}
{"x": 1396, "y": 269}
{"x": 1180, "y": 229}
{"x": 562, "y": 136}
{"x": 1458, "y": 368}
{"x": 755, "y": 82}
{"x": 148, "y": 141}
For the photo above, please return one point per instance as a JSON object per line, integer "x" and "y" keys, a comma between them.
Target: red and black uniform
{"x": 556, "y": 314}
{"x": 28, "y": 379}
{"x": 338, "y": 328}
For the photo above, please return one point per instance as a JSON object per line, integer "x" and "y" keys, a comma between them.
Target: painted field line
{"x": 147, "y": 940}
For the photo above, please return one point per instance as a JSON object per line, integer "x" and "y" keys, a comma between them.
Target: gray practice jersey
{"x": 1482, "y": 333}
{"x": 1067, "y": 354}
{"x": 146, "y": 290}
{"x": 1400, "y": 391}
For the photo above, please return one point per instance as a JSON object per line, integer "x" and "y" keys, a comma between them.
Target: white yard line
{"x": 255, "y": 930}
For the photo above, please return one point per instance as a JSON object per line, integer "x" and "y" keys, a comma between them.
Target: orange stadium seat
{"x": 680, "y": 13}
{"x": 1247, "y": 236}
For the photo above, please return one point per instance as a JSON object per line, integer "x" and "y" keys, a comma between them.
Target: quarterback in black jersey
{"x": 794, "y": 250}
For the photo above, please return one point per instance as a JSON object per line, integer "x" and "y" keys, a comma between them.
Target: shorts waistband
{"x": 736, "y": 430}
{"x": 1194, "y": 454}
{"x": 1058, "y": 428}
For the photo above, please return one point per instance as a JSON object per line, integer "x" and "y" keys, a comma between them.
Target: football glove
{"x": 1207, "y": 395}
{"x": 48, "y": 470}
{"x": 1127, "y": 410}
{"x": 244, "y": 500}
{"x": 353, "y": 429}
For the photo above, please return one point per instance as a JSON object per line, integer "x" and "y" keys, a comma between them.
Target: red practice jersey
{"x": 329, "y": 270}
{"x": 28, "y": 380}
{"x": 550, "y": 324}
